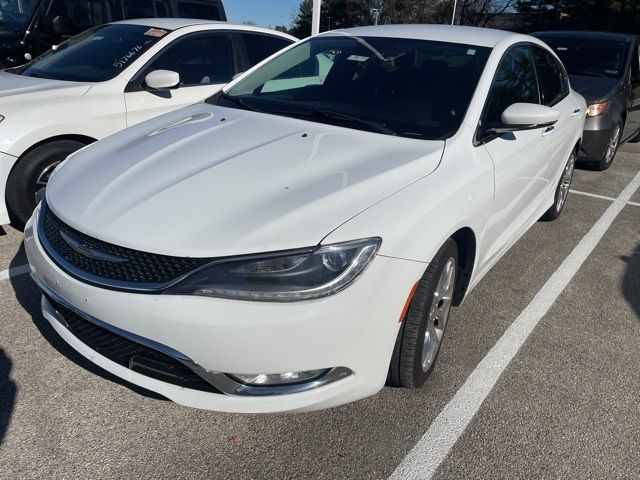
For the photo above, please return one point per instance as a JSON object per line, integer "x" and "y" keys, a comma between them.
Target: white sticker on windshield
{"x": 156, "y": 32}
{"x": 611, "y": 72}
{"x": 471, "y": 51}
{"x": 357, "y": 58}
{"x": 122, "y": 61}
{"x": 562, "y": 49}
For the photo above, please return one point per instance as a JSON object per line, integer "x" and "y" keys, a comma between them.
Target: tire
{"x": 30, "y": 175}
{"x": 429, "y": 309}
{"x": 612, "y": 147}
{"x": 562, "y": 190}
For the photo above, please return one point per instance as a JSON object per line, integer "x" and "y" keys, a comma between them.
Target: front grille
{"x": 141, "y": 268}
{"x": 130, "y": 354}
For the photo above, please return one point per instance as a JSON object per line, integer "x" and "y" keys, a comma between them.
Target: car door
{"x": 553, "y": 82}
{"x": 519, "y": 158}
{"x": 632, "y": 124}
{"x": 71, "y": 18}
{"x": 205, "y": 63}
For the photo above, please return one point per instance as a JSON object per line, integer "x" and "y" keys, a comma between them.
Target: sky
{"x": 263, "y": 13}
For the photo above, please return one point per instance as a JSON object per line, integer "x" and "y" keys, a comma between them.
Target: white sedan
{"x": 106, "y": 79}
{"x": 297, "y": 241}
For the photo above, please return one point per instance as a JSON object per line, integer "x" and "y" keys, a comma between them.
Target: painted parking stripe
{"x": 431, "y": 450}
{"x": 602, "y": 197}
{"x": 14, "y": 272}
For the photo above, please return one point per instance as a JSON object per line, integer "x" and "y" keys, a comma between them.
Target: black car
{"x": 605, "y": 69}
{"x": 29, "y": 28}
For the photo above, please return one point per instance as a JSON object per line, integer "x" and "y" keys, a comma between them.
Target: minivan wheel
{"x": 562, "y": 190}
{"x": 610, "y": 152}
{"x": 421, "y": 333}
{"x": 30, "y": 174}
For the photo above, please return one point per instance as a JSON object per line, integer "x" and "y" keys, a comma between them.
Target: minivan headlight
{"x": 596, "y": 109}
{"x": 283, "y": 277}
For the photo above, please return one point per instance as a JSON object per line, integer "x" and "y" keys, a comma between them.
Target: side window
{"x": 204, "y": 11}
{"x": 635, "y": 66}
{"x": 553, "y": 82}
{"x": 78, "y": 15}
{"x": 145, "y": 9}
{"x": 199, "y": 59}
{"x": 514, "y": 82}
{"x": 260, "y": 46}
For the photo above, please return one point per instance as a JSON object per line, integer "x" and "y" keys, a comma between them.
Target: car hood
{"x": 18, "y": 91}
{"x": 593, "y": 89}
{"x": 207, "y": 181}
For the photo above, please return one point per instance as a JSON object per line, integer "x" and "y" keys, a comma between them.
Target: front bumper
{"x": 6, "y": 164}
{"x": 597, "y": 133}
{"x": 355, "y": 329}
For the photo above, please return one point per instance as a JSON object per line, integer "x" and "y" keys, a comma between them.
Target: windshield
{"x": 14, "y": 13}
{"x": 590, "y": 57}
{"x": 410, "y": 88}
{"x": 96, "y": 55}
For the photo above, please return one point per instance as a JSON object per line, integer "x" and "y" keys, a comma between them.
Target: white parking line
{"x": 431, "y": 450}
{"x": 603, "y": 197}
{"x": 14, "y": 272}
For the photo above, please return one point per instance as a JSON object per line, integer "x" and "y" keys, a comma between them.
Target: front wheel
{"x": 562, "y": 190}
{"x": 31, "y": 173}
{"x": 612, "y": 148}
{"x": 420, "y": 337}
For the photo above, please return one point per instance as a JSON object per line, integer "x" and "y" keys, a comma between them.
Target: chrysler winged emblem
{"x": 90, "y": 252}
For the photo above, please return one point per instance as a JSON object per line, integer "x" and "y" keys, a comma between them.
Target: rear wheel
{"x": 562, "y": 190}
{"x": 421, "y": 334}
{"x": 31, "y": 173}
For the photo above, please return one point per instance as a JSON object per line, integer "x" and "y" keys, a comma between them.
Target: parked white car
{"x": 296, "y": 242}
{"x": 108, "y": 78}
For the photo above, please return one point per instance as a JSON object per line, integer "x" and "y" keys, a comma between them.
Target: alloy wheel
{"x": 565, "y": 182}
{"x": 613, "y": 145}
{"x": 438, "y": 314}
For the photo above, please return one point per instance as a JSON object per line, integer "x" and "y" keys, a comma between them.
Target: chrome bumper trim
{"x": 219, "y": 380}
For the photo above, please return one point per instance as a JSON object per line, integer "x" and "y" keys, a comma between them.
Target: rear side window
{"x": 145, "y": 9}
{"x": 554, "y": 84}
{"x": 260, "y": 47}
{"x": 204, "y": 11}
{"x": 514, "y": 82}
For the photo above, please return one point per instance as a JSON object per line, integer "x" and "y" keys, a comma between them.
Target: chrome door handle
{"x": 548, "y": 131}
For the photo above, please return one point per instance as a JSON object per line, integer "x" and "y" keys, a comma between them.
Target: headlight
{"x": 596, "y": 109}
{"x": 283, "y": 277}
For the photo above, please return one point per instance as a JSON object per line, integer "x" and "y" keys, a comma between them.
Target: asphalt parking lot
{"x": 557, "y": 398}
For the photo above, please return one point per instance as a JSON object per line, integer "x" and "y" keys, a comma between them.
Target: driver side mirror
{"x": 162, "y": 80}
{"x": 525, "y": 116}
{"x": 55, "y": 25}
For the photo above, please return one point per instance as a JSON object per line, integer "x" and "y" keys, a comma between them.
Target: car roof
{"x": 483, "y": 37}
{"x": 177, "y": 23}
{"x": 169, "y": 23}
{"x": 586, "y": 34}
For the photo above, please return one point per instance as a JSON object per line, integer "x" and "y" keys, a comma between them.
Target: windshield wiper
{"x": 370, "y": 125}
{"x": 38, "y": 75}
{"x": 241, "y": 103}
